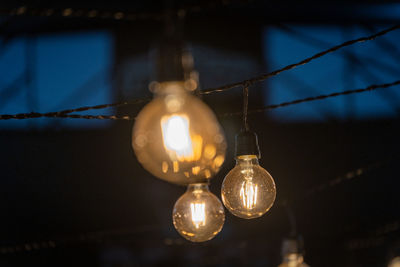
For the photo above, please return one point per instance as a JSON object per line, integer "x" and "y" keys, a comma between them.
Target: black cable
{"x": 300, "y": 63}
{"x": 64, "y": 114}
{"x": 245, "y": 106}
{"x": 315, "y": 98}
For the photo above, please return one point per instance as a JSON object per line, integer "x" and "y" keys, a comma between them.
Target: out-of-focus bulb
{"x": 198, "y": 214}
{"x": 248, "y": 191}
{"x": 293, "y": 260}
{"x": 395, "y": 262}
{"x": 177, "y": 138}
{"x": 176, "y": 135}
{"x": 292, "y": 253}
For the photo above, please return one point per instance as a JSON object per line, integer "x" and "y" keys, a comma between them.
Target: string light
{"x": 111, "y": 14}
{"x": 177, "y": 137}
{"x": 248, "y": 191}
{"x": 171, "y": 146}
{"x": 198, "y": 214}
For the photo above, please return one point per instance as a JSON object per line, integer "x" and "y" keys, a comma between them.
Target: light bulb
{"x": 248, "y": 191}
{"x": 198, "y": 214}
{"x": 292, "y": 252}
{"x": 177, "y": 138}
{"x": 293, "y": 260}
{"x": 395, "y": 262}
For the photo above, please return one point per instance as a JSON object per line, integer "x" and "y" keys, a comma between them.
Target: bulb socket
{"x": 246, "y": 143}
{"x": 169, "y": 66}
{"x": 292, "y": 245}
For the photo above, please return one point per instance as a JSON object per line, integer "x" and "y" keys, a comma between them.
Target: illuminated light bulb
{"x": 198, "y": 214}
{"x": 395, "y": 262}
{"x": 177, "y": 138}
{"x": 248, "y": 191}
{"x": 293, "y": 260}
{"x": 176, "y": 135}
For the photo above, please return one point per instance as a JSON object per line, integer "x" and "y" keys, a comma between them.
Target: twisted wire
{"x": 319, "y": 97}
{"x": 117, "y": 15}
{"x": 300, "y": 63}
{"x": 63, "y": 114}
{"x": 245, "y": 106}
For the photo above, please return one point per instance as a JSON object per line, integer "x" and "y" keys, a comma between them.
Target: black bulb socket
{"x": 246, "y": 143}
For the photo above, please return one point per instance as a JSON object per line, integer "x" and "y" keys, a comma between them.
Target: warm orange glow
{"x": 176, "y": 135}
{"x": 178, "y": 141}
{"x": 196, "y": 170}
{"x": 210, "y": 151}
{"x": 198, "y": 214}
{"x": 175, "y": 166}
{"x": 164, "y": 167}
{"x": 395, "y": 262}
{"x": 197, "y": 147}
{"x": 248, "y": 194}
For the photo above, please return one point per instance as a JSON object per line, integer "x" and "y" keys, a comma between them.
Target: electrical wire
{"x": 319, "y": 97}
{"x": 64, "y": 113}
{"x": 245, "y": 106}
{"x": 87, "y": 238}
{"x": 117, "y": 15}
{"x": 300, "y": 63}
{"x": 248, "y": 82}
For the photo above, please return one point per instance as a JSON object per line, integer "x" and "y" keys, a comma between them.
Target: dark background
{"x": 77, "y": 196}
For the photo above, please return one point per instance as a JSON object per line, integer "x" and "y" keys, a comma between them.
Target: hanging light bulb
{"x": 292, "y": 253}
{"x": 248, "y": 191}
{"x": 176, "y": 137}
{"x": 293, "y": 260}
{"x": 198, "y": 214}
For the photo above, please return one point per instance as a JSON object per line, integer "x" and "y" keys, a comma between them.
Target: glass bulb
{"x": 248, "y": 191}
{"x": 293, "y": 260}
{"x": 198, "y": 214}
{"x": 177, "y": 138}
{"x": 395, "y": 262}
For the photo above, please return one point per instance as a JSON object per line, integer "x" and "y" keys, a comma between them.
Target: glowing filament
{"x": 176, "y": 135}
{"x": 248, "y": 194}
{"x": 198, "y": 214}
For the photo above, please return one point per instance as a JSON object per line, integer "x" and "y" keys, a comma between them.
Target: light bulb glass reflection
{"x": 293, "y": 260}
{"x": 198, "y": 214}
{"x": 248, "y": 191}
{"x": 177, "y": 137}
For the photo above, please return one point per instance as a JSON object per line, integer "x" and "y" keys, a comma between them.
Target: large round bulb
{"x": 248, "y": 191}
{"x": 177, "y": 138}
{"x": 198, "y": 214}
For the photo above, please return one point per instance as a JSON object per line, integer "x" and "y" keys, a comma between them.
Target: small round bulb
{"x": 198, "y": 214}
{"x": 248, "y": 191}
{"x": 293, "y": 260}
{"x": 177, "y": 137}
